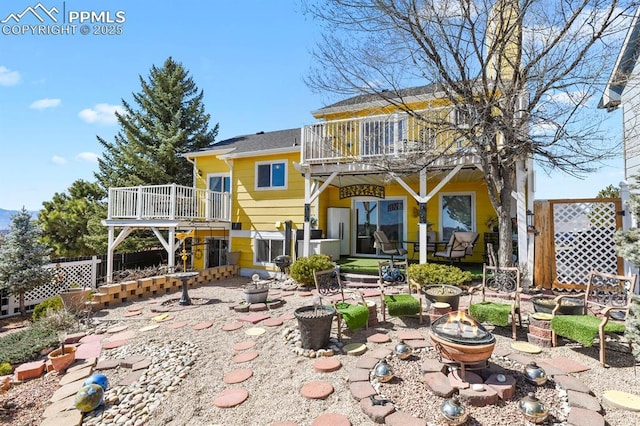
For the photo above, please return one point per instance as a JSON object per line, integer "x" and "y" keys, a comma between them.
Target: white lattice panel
{"x": 583, "y": 240}
{"x": 82, "y": 273}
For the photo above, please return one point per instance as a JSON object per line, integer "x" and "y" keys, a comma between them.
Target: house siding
{"x": 631, "y": 114}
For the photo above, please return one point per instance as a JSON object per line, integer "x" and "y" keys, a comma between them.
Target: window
{"x": 464, "y": 116}
{"x": 219, "y": 183}
{"x": 271, "y": 175}
{"x": 267, "y": 250}
{"x": 457, "y": 212}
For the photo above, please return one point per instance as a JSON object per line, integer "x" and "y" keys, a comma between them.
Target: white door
{"x": 338, "y": 227}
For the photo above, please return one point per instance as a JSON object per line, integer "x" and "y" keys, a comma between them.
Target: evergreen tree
{"x": 22, "y": 258}
{"x": 64, "y": 219}
{"x": 168, "y": 118}
{"x": 628, "y": 247}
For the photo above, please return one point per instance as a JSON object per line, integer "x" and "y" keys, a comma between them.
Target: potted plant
{"x": 256, "y": 292}
{"x": 74, "y": 297}
{"x": 62, "y": 357}
{"x": 439, "y": 283}
{"x": 314, "y": 323}
{"x": 569, "y": 305}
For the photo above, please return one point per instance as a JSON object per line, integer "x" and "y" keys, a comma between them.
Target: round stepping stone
{"x": 177, "y": 325}
{"x": 232, "y": 326}
{"x": 243, "y": 346}
{"x": 331, "y": 419}
{"x": 230, "y": 398}
{"x": 132, "y": 314}
{"x": 117, "y": 329}
{"x": 286, "y": 294}
{"x": 150, "y": 327}
{"x": 526, "y": 347}
{"x": 621, "y": 400}
{"x": 135, "y": 308}
{"x": 237, "y": 376}
{"x": 283, "y": 424}
{"x": 327, "y": 365}
{"x": 114, "y": 344}
{"x": 245, "y": 357}
{"x": 287, "y": 317}
{"x": 355, "y": 348}
{"x": 379, "y": 338}
{"x": 255, "y": 331}
{"x": 316, "y": 390}
{"x": 273, "y": 322}
{"x": 305, "y": 294}
{"x": 123, "y": 335}
{"x": 202, "y": 325}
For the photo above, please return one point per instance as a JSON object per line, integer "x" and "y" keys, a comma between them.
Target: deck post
{"x": 110, "y": 249}
{"x": 422, "y": 225}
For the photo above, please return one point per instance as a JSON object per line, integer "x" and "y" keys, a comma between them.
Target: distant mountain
{"x": 5, "y": 218}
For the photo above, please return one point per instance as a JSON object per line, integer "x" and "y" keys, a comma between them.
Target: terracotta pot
{"x": 62, "y": 362}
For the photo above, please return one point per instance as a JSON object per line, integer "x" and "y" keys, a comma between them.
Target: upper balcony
{"x": 399, "y": 135}
{"x": 168, "y": 202}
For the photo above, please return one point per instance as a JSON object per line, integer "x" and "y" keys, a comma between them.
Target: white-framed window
{"x": 271, "y": 174}
{"x": 463, "y": 116}
{"x": 266, "y": 250}
{"x": 219, "y": 182}
{"x": 457, "y": 213}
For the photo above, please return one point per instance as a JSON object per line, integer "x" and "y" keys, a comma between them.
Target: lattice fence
{"x": 83, "y": 273}
{"x": 583, "y": 240}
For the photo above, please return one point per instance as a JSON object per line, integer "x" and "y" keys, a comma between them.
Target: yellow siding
{"x": 206, "y": 165}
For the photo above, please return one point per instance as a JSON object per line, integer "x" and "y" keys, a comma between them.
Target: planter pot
{"x": 315, "y": 325}
{"x": 256, "y": 295}
{"x": 570, "y": 306}
{"x": 443, "y": 293}
{"x": 233, "y": 257}
{"x": 62, "y": 362}
{"x": 74, "y": 299}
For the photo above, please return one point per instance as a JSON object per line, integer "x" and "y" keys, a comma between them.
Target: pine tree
{"x": 168, "y": 119}
{"x": 22, "y": 258}
{"x": 628, "y": 247}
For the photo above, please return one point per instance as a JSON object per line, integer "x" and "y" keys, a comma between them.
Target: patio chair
{"x": 460, "y": 245}
{"x": 503, "y": 282}
{"x": 386, "y": 246}
{"x": 394, "y": 299}
{"x": 355, "y": 315}
{"x": 431, "y": 245}
{"x": 606, "y": 304}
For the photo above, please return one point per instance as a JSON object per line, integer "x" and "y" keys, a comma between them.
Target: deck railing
{"x": 173, "y": 202}
{"x": 368, "y": 138}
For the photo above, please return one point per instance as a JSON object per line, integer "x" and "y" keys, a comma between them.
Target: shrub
{"x": 53, "y": 303}
{"x": 27, "y": 345}
{"x": 5, "y": 369}
{"x": 302, "y": 269}
{"x": 434, "y": 273}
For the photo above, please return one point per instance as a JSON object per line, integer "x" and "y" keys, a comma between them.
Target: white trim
{"x": 261, "y": 237}
{"x": 223, "y": 175}
{"x": 208, "y": 152}
{"x": 471, "y": 194}
{"x": 270, "y": 187}
{"x": 275, "y": 151}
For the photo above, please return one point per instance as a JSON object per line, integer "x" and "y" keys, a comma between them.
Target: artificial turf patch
{"x": 582, "y": 328}
{"x": 493, "y": 313}
{"x": 401, "y": 304}
{"x": 355, "y": 316}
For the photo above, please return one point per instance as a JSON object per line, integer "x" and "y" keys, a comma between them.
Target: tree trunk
{"x": 505, "y": 231}
{"x": 23, "y": 309}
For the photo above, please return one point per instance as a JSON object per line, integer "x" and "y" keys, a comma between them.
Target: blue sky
{"x": 57, "y": 92}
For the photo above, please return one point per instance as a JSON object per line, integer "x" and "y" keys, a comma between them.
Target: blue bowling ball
{"x": 98, "y": 379}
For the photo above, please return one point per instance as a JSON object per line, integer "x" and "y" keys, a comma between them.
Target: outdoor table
{"x": 184, "y": 277}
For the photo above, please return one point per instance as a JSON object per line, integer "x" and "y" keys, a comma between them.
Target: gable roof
{"x": 382, "y": 98}
{"x": 280, "y": 140}
{"x": 623, "y": 67}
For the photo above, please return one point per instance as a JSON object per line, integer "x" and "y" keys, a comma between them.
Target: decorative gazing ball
{"x": 402, "y": 350}
{"x": 98, "y": 379}
{"x": 383, "y": 371}
{"x": 89, "y": 398}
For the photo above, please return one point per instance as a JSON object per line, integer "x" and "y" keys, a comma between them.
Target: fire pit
{"x": 460, "y": 339}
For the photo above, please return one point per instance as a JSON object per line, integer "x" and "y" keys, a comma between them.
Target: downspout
{"x": 194, "y": 169}
{"x": 229, "y": 163}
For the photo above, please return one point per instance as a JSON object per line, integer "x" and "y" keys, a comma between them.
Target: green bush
{"x": 302, "y": 269}
{"x": 53, "y": 303}
{"x": 434, "y": 273}
{"x": 5, "y": 369}
{"x": 26, "y": 345}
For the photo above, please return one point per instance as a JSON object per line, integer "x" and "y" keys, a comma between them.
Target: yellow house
{"x": 370, "y": 163}
{"x": 364, "y": 166}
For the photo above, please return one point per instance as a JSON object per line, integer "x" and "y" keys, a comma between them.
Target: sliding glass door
{"x": 378, "y": 215}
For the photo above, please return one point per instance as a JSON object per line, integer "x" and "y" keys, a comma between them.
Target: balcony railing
{"x": 368, "y": 138}
{"x": 173, "y": 202}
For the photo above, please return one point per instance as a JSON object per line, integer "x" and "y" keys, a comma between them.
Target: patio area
{"x": 209, "y": 364}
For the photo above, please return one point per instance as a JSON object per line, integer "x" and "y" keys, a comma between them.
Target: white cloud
{"x": 8, "y": 77}
{"x": 101, "y": 114}
{"x": 56, "y": 159}
{"x": 45, "y": 103}
{"x": 90, "y": 157}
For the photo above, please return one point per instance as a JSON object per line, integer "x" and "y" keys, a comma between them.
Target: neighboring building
{"x": 623, "y": 90}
